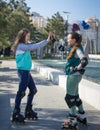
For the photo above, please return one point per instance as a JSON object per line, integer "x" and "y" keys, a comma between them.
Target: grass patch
{"x": 7, "y": 58}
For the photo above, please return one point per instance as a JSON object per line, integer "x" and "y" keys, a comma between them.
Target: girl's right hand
{"x": 50, "y": 36}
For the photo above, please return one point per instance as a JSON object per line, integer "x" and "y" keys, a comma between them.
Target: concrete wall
{"x": 94, "y": 57}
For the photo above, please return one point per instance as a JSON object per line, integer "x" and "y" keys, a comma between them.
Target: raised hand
{"x": 50, "y": 36}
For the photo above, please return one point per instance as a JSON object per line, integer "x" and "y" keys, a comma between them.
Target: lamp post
{"x": 66, "y": 18}
{"x": 66, "y": 14}
{"x": 97, "y": 26}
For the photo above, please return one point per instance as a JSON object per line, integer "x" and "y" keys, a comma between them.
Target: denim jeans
{"x": 25, "y": 80}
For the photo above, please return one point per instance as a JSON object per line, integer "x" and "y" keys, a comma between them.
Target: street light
{"x": 97, "y": 26}
{"x": 66, "y": 18}
{"x": 66, "y": 14}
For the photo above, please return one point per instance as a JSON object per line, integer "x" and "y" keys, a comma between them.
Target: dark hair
{"x": 78, "y": 39}
{"x": 20, "y": 38}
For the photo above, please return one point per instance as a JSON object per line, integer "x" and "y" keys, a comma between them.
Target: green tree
{"x": 56, "y": 25}
{"x": 14, "y": 15}
{"x": 4, "y": 12}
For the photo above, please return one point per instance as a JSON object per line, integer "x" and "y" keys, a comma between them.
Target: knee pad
{"x": 78, "y": 101}
{"x": 33, "y": 92}
{"x": 21, "y": 94}
{"x": 70, "y": 100}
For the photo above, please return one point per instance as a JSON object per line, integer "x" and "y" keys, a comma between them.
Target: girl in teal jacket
{"x": 24, "y": 63}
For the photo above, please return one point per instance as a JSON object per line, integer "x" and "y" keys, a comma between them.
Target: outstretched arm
{"x": 29, "y": 47}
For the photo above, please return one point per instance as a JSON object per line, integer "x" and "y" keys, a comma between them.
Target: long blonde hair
{"x": 78, "y": 39}
{"x": 20, "y": 38}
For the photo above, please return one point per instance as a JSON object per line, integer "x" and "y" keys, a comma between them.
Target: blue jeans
{"x": 25, "y": 80}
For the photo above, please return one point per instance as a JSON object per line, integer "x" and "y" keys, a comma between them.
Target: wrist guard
{"x": 81, "y": 71}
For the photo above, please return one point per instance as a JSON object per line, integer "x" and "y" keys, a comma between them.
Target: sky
{"x": 78, "y": 9}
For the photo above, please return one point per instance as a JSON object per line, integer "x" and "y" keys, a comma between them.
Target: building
{"x": 92, "y": 35}
{"x": 38, "y": 20}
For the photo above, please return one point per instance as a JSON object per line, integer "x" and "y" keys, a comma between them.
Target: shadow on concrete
{"x": 51, "y": 119}
{"x": 5, "y": 111}
{"x": 13, "y": 78}
{"x": 7, "y": 69}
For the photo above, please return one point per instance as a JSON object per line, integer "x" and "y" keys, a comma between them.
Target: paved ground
{"x": 48, "y": 103}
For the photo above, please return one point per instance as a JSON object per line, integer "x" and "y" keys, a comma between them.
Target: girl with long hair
{"x": 22, "y": 50}
{"x": 75, "y": 68}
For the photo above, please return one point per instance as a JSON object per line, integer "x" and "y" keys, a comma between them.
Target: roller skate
{"x": 30, "y": 114}
{"x": 81, "y": 118}
{"x": 17, "y": 117}
{"x": 70, "y": 124}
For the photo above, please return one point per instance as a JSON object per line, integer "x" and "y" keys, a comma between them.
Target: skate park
{"x": 49, "y": 101}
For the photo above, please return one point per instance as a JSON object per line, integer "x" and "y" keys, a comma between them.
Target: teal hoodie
{"x": 23, "y": 56}
{"x": 72, "y": 62}
{"x": 24, "y": 61}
